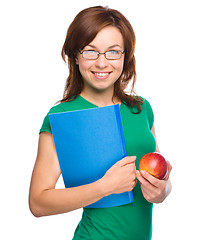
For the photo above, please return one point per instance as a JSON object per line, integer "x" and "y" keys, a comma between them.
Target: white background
{"x": 32, "y": 79}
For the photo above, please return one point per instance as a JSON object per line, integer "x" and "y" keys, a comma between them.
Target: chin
{"x": 103, "y": 88}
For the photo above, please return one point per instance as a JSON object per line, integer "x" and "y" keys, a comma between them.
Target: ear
{"x": 76, "y": 61}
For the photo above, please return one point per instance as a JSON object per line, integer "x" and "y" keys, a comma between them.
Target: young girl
{"x": 99, "y": 46}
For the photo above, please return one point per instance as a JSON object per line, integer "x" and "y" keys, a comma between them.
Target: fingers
{"x": 154, "y": 181}
{"x": 148, "y": 189}
{"x": 153, "y": 189}
{"x": 144, "y": 176}
{"x": 127, "y": 160}
{"x": 121, "y": 177}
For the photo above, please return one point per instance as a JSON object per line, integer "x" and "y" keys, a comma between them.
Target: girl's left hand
{"x": 153, "y": 189}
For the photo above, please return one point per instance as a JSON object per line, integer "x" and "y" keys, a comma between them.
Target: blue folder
{"x": 88, "y": 142}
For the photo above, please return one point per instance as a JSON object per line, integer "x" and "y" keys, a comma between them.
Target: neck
{"x": 100, "y": 99}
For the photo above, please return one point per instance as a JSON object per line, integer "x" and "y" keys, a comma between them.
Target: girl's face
{"x": 101, "y": 74}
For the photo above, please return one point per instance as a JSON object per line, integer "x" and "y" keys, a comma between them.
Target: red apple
{"x": 155, "y": 164}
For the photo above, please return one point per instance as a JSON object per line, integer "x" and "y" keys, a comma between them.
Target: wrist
{"x": 103, "y": 187}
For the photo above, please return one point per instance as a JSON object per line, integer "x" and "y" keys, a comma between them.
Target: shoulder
{"x": 146, "y": 104}
{"x": 58, "y": 108}
{"x": 147, "y": 108}
{"x": 142, "y": 101}
{"x": 65, "y": 106}
{"x": 137, "y": 104}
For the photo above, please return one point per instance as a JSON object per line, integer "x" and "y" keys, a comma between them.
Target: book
{"x": 88, "y": 142}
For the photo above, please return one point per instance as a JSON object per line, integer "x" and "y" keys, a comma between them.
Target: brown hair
{"x": 81, "y": 32}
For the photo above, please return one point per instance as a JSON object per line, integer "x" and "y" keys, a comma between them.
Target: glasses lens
{"x": 90, "y": 54}
{"x": 112, "y": 55}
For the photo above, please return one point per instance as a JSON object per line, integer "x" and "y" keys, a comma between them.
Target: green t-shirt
{"x": 131, "y": 221}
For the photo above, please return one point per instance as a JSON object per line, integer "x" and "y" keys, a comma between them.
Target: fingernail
{"x": 142, "y": 172}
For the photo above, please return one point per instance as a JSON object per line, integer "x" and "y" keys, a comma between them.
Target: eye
{"x": 113, "y": 54}
{"x": 90, "y": 54}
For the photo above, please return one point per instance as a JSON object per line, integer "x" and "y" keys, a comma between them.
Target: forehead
{"x": 107, "y": 37}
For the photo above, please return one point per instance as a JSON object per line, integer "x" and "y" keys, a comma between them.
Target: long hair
{"x": 81, "y": 32}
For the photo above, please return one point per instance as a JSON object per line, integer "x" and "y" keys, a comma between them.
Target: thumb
{"x": 127, "y": 160}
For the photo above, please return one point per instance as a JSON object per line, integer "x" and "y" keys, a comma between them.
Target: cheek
{"x": 84, "y": 68}
{"x": 83, "y": 64}
{"x": 119, "y": 66}
{"x": 122, "y": 65}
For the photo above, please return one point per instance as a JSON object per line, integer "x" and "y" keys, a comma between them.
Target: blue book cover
{"x": 88, "y": 142}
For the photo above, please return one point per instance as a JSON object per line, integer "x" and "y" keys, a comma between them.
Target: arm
{"x": 44, "y": 199}
{"x": 153, "y": 189}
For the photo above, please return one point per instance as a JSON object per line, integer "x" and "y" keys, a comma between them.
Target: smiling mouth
{"x": 101, "y": 74}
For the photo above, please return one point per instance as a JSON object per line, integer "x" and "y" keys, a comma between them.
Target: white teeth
{"x": 101, "y": 74}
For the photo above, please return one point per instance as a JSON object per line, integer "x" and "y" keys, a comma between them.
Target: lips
{"x": 101, "y": 75}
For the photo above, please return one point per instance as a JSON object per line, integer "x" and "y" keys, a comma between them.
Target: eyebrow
{"x": 115, "y": 45}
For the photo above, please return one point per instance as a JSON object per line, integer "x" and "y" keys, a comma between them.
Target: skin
{"x": 44, "y": 199}
{"x": 97, "y": 89}
{"x": 153, "y": 189}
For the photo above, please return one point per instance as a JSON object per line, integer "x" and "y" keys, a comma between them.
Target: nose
{"x": 101, "y": 62}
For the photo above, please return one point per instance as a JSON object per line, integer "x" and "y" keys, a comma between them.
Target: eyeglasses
{"x": 109, "y": 55}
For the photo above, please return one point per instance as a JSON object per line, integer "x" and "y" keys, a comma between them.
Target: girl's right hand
{"x": 121, "y": 177}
